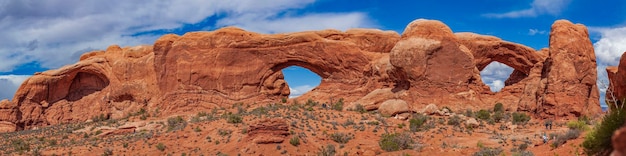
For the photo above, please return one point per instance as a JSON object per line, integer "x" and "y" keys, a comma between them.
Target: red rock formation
{"x": 617, "y": 81}
{"x": 204, "y": 70}
{"x": 570, "y": 72}
{"x": 267, "y": 131}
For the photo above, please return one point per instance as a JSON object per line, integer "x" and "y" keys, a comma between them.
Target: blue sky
{"x": 42, "y": 35}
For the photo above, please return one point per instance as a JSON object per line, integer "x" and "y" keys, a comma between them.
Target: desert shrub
{"x": 341, "y": 138}
{"x": 160, "y": 147}
{"x": 98, "y": 118}
{"x": 176, "y": 123}
{"x": 283, "y": 100}
{"x": 498, "y": 107}
{"x": 417, "y": 122}
{"x": 295, "y": 141}
{"x": 488, "y": 151}
{"x": 578, "y": 125}
{"x": 469, "y": 113}
{"x": 259, "y": 111}
{"x": 395, "y": 141}
{"x": 234, "y": 118}
{"x": 338, "y": 106}
{"x": 483, "y": 114}
{"x": 520, "y": 118}
{"x": 328, "y": 150}
{"x": 311, "y": 103}
{"x": 359, "y": 108}
{"x": 498, "y": 116}
{"x": 523, "y": 153}
{"x": 569, "y": 135}
{"x": 107, "y": 152}
{"x": 599, "y": 139}
{"x": 20, "y": 145}
{"x": 454, "y": 120}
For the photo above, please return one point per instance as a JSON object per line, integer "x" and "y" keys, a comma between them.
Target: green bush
{"x": 160, "y": 147}
{"x": 359, "y": 108}
{"x": 488, "y": 151}
{"x": 338, "y": 106}
{"x": 395, "y": 142}
{"x": 295, "y": 141}
{"x": 234, "y": 118}
{"x": 578, "y": 125}
{"x": 176, "y": 123}
{"x": 599, "y": 140}
{"x": 341, "y": 138}
{"x": 520, "y": 118}
{"x": 483, "y": 115}
{"x": 454, "y": 120}
{"x": 498, "y": 116}
{"x": 417, "y": 122}
{"x": 20, "y": 145}
{"x": 498, "y": 107}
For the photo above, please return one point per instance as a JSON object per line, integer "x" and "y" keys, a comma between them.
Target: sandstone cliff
{"x": 427, "y": 64}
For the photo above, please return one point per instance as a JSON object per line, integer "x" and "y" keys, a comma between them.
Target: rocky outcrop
{"x": 617, "y": 82}
{"x": 268, "y": 131}
{"x": 199, "y": 71}
{"x": 570, "y": 72}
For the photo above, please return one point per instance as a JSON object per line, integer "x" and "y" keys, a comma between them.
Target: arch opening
{"x": 84, "y": 84}
{"x": 300, "y": 80}
{"x": 496, "y": 75}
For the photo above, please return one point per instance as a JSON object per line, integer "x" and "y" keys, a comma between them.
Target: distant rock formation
{"x": 427, "y": 64}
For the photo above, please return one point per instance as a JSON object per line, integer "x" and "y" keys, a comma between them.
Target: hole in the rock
{"x": 495, "y": 74}
{"x": 300, "y": 80}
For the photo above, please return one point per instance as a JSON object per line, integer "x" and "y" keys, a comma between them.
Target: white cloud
{"x": 538, "y": 7}
{"x": 56, "y": 32}
{"x": 533, "y": 32}
{"x": 610, "y": 47}
{"x": 9, "y": 84}
{"x": 299, "y": 90}
{"x": 495, "y": 74}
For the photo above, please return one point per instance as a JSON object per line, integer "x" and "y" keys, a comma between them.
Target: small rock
{"x": 472, "y": 123}
{"x": 430, "y": 109}
{"x": 393, "y": 107}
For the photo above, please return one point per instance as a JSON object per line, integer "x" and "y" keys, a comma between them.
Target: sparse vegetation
{"x": 338, "y": 106}
{"x": 328, "y": 150}
{"x": 488, "y": 151}
{"x": 341, "y": 138}
{"x": 483, "y": 115}
{"x": 395, "y": 141}
{"x": 520, "y": 118}
{"x": 561, "y": 139}
{"x": 454, "y": 121}
{"x": 360, "y": 108}
{"x": 176, "y": 123}
{"x": 578, "y": 125}
{"x": 416, "y": 123}
{"x": 160, "y": 147}
{"x": 234, "y": 118}
{"x": 295, "y": 141}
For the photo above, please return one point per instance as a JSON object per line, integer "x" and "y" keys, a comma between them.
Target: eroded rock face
{"x": 570, "y": 72}
{"x": 268, "y": 131}
{"x": 199, "y": 71}
{"x": 617, "y": 81}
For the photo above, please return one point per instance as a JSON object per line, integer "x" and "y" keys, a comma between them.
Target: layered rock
{"x": 427, "y": 64}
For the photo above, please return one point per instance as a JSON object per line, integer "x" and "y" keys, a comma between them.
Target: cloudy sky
{"x": 39, "y": 35}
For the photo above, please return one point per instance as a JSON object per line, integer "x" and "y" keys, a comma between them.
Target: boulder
{"x": 393, "y": 107}
{"x": 430, "y": 109}
{"x": 471, "y": 122}
{"x": 617, "y": 84}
